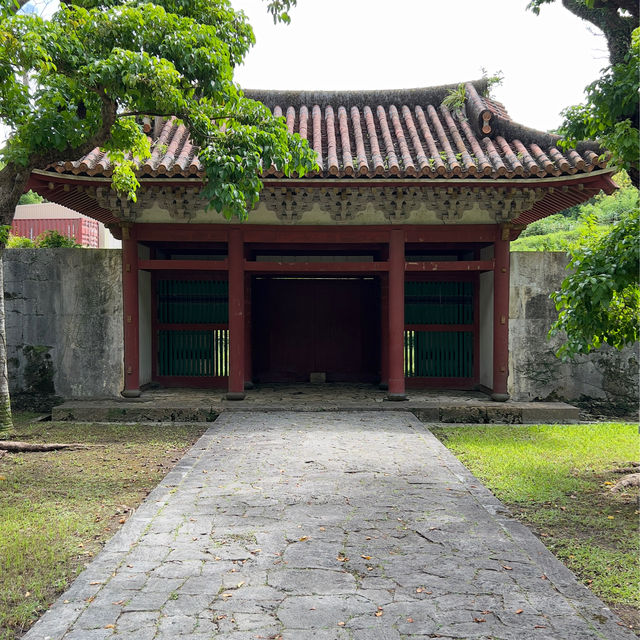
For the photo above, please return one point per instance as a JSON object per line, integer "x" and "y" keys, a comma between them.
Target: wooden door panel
{"x": 324, "y": 325}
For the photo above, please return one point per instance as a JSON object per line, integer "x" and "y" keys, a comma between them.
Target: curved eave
{"x": 562, "y": 192}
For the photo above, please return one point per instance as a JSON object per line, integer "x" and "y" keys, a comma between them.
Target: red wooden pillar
{"x": 396, "y": 315}
{"x": 236, "y": 315}
{"x": 501, "y": 320}
{"x": 384, "y": 332}
{"x": 248, "y": 364}
{"x": 130, "y": 313}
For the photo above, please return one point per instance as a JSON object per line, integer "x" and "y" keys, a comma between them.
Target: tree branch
{"x": 14, "y": 178}
{"x": 109, "y": 116}
{"x": 222, "y": 116}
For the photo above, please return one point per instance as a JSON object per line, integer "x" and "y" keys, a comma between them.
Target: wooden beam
{"x": 316, "y": 234}
{"x": 439, "y": 327}
{"x": 184, "y": 265}
{"x": 180, "y": 232}
{"x": 457, "y": 233}
{"x": 461, "y": 265}
{"x": 315, "y": 267}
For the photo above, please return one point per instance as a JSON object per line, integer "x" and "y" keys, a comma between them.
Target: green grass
{"x": 556, "y": 479}
{"x": 58, "y": 508}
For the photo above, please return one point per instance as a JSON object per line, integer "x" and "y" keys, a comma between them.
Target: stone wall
{"x": 69, "y": 300}
{"x": 535, "y": 372}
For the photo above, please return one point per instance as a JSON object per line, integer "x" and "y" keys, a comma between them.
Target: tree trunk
{"x": 13, "y": 181}
{"x": 616, "y": 28}
{"x": 6, "y": 424}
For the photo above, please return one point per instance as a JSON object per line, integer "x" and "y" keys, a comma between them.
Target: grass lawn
{"x": 556, "y": 479}
{"x": 58, "y": 508}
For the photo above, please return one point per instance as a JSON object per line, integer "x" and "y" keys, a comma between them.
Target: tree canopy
{"x": 599, "y": 303}
{"x": 87, "y": 77}
{"x": 610, "y": 112}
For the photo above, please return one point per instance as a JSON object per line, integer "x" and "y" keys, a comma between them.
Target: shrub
{"x": 18, "y": 242}
{"x": 52, "y": 239}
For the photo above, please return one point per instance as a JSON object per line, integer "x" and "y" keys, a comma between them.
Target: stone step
{"x": 465, "y": 412}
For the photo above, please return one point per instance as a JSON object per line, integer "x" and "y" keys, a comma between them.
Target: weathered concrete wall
{"x": 71, "y": 301}
{"x": 534, "y": 371}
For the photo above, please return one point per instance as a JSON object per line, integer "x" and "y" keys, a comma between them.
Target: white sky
{"x": 398, "y": 44}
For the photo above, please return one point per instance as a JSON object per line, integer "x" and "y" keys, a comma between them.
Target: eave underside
{"x": 557, "y": 194}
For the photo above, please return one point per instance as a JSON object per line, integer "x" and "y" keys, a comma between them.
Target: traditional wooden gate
{"x": 325, "y": 325}
{"x": 441, "y": 333}
{"x": 191, "y": 331}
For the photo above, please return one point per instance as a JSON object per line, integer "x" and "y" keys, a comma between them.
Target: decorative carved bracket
{"x": 451, "y": 202}
{"x": 289, "y": 204}
{"x": 124, "y": 209}
{"x": 399, "y": 202}
{"x": 343, "y": 204}
{"x": 180, "y": 202}
{"x": 506, "y": 204}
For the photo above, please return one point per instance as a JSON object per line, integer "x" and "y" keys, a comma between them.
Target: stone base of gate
{"x": 191, "y": 405}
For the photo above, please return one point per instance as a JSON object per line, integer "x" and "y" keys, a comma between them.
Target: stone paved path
{"x": 343, "y": 526}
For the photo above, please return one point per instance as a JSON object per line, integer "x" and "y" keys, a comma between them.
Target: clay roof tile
{"x": 404, "y": 133}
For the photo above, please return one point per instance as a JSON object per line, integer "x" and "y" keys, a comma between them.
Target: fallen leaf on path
{"x": 479, "y": 620}
{"x": 519, "y": 611}
{"x": 366, "y": 557}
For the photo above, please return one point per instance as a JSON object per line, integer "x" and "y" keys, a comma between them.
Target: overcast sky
{"x": 547, "y": 60}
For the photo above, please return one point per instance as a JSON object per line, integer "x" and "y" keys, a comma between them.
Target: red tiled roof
{"x": 390, "y": 134}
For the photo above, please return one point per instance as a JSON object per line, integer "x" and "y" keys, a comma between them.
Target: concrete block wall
{"x": 534, "y": 371}
{"x": 71, "y": 301}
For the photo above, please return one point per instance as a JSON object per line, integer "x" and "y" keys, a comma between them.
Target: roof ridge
{"x": 377, "y": 97}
